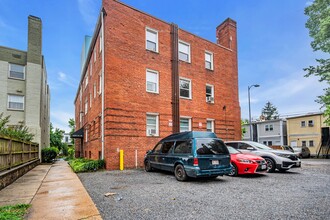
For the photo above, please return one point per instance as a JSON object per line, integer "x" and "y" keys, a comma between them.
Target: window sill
{"x": 153, "y": 136}
{"x": 152, "y": 51}
{"x": 16, "y": 110}
{"x": 211, "y": 103}
{"x": 16, "y": 78}
{"x": 184, "y": 61}
{"x": 209, "y": 70}
{"x": 185, "y": 98}
{"x": 155, "y": 93}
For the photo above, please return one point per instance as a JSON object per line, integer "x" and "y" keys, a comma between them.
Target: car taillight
{"x": 196, "y": 162}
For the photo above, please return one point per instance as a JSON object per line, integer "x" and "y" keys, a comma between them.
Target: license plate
{"x": 263, "y": 167}
{"x": 215, "y": 162}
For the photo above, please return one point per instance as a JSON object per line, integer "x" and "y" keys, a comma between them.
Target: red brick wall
{"x": 126, "y": 99}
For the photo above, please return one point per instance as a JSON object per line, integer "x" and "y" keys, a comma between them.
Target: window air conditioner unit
{"x": 151, "y": 132}
{"x": 209, "y": 99}
{"x": 310, "y": 125}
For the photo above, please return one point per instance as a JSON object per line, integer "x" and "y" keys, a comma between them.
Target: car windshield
{"x": 233, "y": 150}
{"x": 260, "y": 146}
{"x": 210, "y": 146}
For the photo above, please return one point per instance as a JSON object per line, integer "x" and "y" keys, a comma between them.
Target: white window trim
{"x": 189, "y": 52}
{"x": 157, "y": 124}
{"x": 24, "y": 72}
{"x": 94, "y": 90}
{"x": 100, "y": 84}
{"x": 301, "y": 122}
{"x": 90, "y": 100}
{"x": 157, "y": 87}
{"x": 189, "y": 120}
{"x": 156, "y": 32}
{"x": 212, "y": 94}
{"x": 15, "y": 108}
{"x": 212, "y": 123}
{"x": 86, "y": 133}
{"x": 212, "y": 60}
{"x": 100, "y": 43}
{"x": 190, "y": 88}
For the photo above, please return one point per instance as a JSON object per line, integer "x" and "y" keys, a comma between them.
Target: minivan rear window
{"x": 210, "y": 146}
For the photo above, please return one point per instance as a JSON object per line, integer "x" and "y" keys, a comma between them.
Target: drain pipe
{"x": 102, "y": 84}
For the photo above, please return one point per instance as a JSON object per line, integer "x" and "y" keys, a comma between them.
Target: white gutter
{"x": 102, "y": 86}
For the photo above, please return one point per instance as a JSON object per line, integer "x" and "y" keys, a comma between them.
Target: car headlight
{"x": 245, "y": 161}
{"x": 282, "y": 155}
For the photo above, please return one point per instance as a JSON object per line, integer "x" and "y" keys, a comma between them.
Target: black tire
{"x": 147, "y": 166}
{"x": 233, "y": 171}
{"x": 180, "y": 173}
{"x": 270, "y": 165}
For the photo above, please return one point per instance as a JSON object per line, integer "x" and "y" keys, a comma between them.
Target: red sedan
{"x": 246, "y": 163}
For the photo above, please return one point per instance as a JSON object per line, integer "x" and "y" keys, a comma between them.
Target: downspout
{"x": 102, "y": 85}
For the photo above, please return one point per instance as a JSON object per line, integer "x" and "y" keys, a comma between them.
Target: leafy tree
{"x": 72, "y": 126}
{"x": 244, "y": 122}
{"x": 56, "y": 137}
{"x": 269, "y": 111}
{"x": 20, "y": 131}
{"x": 318, "y": 24}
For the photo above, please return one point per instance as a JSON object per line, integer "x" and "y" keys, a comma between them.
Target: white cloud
{"x": 308, "y": 3}
{"x": 89, "y": 11}
{"x": 60, "y": 119}
{"x": 291, "y": 94}
{"x": 66, "y": 79}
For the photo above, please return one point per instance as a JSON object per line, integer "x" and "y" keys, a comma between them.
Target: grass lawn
{"x": 13, "y": 212}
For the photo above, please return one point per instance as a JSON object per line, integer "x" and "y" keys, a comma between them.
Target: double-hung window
{"x": 209, "y": 60}
{"x": 209, "y": 93}
{"x": 152, "y": 81}
{"x": 16, "y": 102}
{"x": 185, "y": 124}
{"x": 303, "y": 123}
{"x": 152, "y": 124}
{"x": 185, "y": 88}
{"x": 184, "y": 51}
{"x": 210, "y": 125}
{"x": 16, "y": 71}
{"x": 151, "y": 39}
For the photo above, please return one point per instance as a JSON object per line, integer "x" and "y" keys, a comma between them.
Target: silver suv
{"x": 276, "y": 159}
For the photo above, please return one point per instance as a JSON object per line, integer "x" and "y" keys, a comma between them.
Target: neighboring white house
{"x": 67, "y": 139}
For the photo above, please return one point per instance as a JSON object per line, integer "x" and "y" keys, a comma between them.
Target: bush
{"x": 13, "y": 211}
{"x": 71, "y": 153}
{"x": 65, "y": 149}
{"x": 85, "y": 165}
{"x": 49, "y": 154}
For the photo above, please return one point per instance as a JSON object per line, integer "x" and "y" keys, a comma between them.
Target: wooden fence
{"x": 14, "y": 152}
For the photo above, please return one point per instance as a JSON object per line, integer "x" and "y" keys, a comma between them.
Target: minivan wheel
{"x": 180, "y": 173}
{"x": 233, "y": 171}
{"x": 270, "y": 165}
{"x": 147, "y": 166}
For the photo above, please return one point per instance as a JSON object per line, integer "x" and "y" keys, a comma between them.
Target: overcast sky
{"x": 273, "y": 45}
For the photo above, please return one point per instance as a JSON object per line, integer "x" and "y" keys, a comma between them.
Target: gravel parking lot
{"x": 302, "y": 193}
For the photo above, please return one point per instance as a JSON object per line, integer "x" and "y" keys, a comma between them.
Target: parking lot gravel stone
{"x": 302, "y": 193}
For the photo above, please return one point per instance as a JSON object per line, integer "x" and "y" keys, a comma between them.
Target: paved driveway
{"x": 302, "y": 193}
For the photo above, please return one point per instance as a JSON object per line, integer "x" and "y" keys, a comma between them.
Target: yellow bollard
{"x": 121, "y": 160}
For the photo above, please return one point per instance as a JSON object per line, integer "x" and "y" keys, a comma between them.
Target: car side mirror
{"x": 250, "y": 148}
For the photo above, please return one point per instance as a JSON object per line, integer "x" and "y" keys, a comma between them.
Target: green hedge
{"x": 86, "y": 165}
{"x": 49, "y": 154}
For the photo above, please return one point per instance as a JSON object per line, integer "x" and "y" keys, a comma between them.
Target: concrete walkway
{"x": 54, "y": 192}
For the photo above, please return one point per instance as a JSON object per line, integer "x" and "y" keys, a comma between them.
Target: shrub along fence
{"x": 14, "y": 152}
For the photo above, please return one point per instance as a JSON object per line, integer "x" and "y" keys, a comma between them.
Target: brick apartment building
{"x": 144, "y": 79}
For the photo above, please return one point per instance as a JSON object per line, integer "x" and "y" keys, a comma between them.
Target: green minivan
{"x": 190, "y": 154}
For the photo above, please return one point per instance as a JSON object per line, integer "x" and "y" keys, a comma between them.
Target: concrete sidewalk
{"x": 54, "y": 192}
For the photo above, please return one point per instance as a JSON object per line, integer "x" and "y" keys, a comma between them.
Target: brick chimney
{"x": 226, "y": 34}
{"x": 34, "y": 54}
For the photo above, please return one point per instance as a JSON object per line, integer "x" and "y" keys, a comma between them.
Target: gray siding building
{"x": 24, "y": 92}
{"x": 271, "y": 132}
